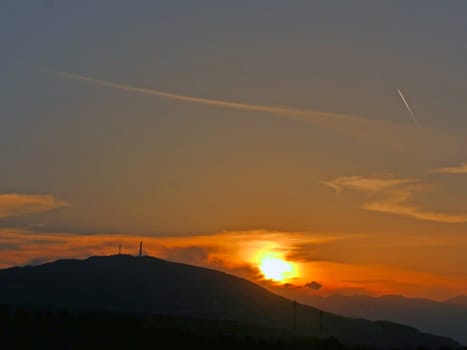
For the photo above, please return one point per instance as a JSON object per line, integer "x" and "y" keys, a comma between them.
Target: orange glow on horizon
{"x": 270, "y": 258}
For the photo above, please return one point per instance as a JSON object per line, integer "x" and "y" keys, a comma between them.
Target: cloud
{"x": 400, "y": 137}
{"x": 314, "y": 285}
{"x": 456, "y": 169}
{"x": 398, "y": 205}
{"x": 355, "y": 126}
{"x": 222, "y": 251}
{"x": 196, "y": 255}
{"x": 366, "y": 184}
{"x": 340, "y": 257}
{"x": 395, "y": 136}
{"x": 12, "y": 204}
{"x": 37, "y": 261}
{"x": 335, "y": 249}
{"x": 392, "y": 196}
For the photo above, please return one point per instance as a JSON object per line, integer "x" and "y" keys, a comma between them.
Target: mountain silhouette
{"x": 148, "y": 285}
{"x": 460, "y": 300}
{"x": 448, "y": 318}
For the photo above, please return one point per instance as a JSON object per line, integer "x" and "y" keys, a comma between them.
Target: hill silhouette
{"x": 147, "y": 285}
{"x": 448, "y": 318}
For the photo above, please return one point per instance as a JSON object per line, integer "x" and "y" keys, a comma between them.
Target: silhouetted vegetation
{"x": 22, "y": 328}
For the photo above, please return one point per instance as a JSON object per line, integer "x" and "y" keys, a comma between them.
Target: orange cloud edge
{"x": 237, "y": 253}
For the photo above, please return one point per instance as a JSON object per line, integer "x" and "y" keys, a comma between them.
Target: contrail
{"x": 408, "y": 108}
{"x": 326, "y": 118}
{"x": 375, "y": 130}
{"x": 295, "y": 113}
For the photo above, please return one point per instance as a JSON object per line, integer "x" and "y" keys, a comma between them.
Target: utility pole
{"x": 294, "y": 319}
{"x": 321, "y": 317}
{"x": 141, "y": 248}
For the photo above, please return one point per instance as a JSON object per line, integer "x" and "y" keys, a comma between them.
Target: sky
{"x": 327, "y": 135}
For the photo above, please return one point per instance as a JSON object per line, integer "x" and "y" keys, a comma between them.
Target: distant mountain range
{"x": 148, "y": 285}
{"x": 448, "y": 318}
{"x": 460, "y": 300}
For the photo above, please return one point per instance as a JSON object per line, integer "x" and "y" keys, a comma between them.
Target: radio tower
{"x": 141, "y": 248}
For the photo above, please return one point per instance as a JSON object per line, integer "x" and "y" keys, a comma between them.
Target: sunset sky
{"x": 234, "y": 134}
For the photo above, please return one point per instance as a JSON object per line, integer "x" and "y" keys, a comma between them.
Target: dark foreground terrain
{"x": 22, "y": 328}
{"x": 149, "y": 286}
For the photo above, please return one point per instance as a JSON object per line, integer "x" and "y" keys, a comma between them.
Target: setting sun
{"x": 251, "y": 174}
{"x": 276, "y": 269}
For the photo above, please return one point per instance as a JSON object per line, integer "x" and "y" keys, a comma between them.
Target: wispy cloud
{"x": 330, "y": 259}
{"x": 374, "y": 130}
{"x": 392, "y": 196}
{"x": 13, "y": 204}
{"x": 456, "y": 169}
{"x": 228, "y": 251}
{"x": 236, "y": 252}
{"x": 366, "y": 184}
{"x": 395, "y": 136}
{"x": 398, "y": 204}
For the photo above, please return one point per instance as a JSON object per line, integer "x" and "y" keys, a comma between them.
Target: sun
{"x": 276, "y": 269}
